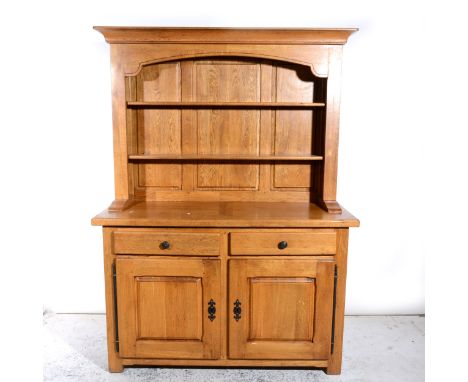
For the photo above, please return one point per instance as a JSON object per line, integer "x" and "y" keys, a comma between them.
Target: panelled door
{"x": 280, "y": 309}
{"x": 166, "y": 308}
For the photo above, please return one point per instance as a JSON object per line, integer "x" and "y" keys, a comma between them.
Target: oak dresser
{"x": 225, "y": 245}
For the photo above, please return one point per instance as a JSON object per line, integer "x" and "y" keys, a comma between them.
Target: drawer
{"x": 167, "y": 243}
{"x": 321, "y": 242}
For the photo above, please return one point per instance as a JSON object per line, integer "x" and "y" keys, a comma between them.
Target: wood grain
{"x": 228, "y": 158}
{"x": 138, "y": 35}
{"x": 319, "y": 242}
{"x": 148, "y": 242}
{"x": 225, "y": 105}
{"x": 275, "y": 301}
{"x": 122, "y": 184}
{"x": 223, "y": 127}
{"x": 225, "y": 143}
{"x": 293, "y": 129}
{"x": 159, "y": 131}
{"x": 222, "y": 135}
{"x": 113, "y": 357}
{"x": 328, "y": 197}
{"x": 169, "y": 308}
{"x": 334, "y": 366}
{"x": 178, "y": 291}
{"x": 280, "y": 273}
{"x": 227, "y": 132}
{"x": 224, "y": 214}
{"x": 249, "y": 363}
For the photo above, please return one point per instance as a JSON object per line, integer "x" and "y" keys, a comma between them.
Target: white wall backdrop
{"x": 67, "y": 136}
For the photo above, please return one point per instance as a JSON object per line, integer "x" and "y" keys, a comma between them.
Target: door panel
{"x": 162, "y": 307}
{"x": 165, "y": 320}
{"x": 285, "y": 299}
{"x": 286, "y": 309}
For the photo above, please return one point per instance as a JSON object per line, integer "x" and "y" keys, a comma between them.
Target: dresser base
{"x": 225, "y": 259}
{"x": 118, "y": 366}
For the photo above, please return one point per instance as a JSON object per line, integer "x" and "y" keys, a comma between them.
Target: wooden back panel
{"x": 232, "y": 133}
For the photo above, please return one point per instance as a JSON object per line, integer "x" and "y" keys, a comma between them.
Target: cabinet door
{"x": 163, "y": 308}
{"x": 280, "y": 309}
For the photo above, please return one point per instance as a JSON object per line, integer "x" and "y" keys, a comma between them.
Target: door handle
{"x": 211, "y": 310}
{"x": 237, "y": 310}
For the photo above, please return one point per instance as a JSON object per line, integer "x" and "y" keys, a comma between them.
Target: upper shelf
{"x": 227, "y": 158}
{"x": 225, "y": 105}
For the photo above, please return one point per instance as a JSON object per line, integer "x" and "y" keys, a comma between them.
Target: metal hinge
{"x": 116, "y": 322}
{"x": 335, "y": 281}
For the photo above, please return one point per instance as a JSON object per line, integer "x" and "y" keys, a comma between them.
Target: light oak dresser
{"x": 225, "y": 245}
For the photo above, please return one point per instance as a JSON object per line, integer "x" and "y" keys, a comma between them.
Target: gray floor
{"x": 376, "y": 348}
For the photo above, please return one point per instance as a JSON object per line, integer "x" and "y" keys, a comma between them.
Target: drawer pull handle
{"x": 211, "y": 310}
{"x": 164, "y": 245}
{"x": 282, "y": 244}
{"x": 237, "y": 310}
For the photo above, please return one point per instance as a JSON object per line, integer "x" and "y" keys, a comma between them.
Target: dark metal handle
{"x": 237, "y": 310}
{"x": 164, "y": 245}
{"x": 211, "y": 310}
{"x": 282, "y": 244}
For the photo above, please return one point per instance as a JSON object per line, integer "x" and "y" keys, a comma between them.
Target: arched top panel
{"x": 316, "y": 71}
{"x": 225, "y": 79}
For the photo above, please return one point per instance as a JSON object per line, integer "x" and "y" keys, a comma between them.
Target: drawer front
{"x": 167, "y": 243}
{"x": 283, "y": 243}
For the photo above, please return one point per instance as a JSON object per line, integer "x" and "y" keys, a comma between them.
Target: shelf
{"x": 226, "y": 158}
{"x": 223, "y": 105}
{"x": 224, "y": 214}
